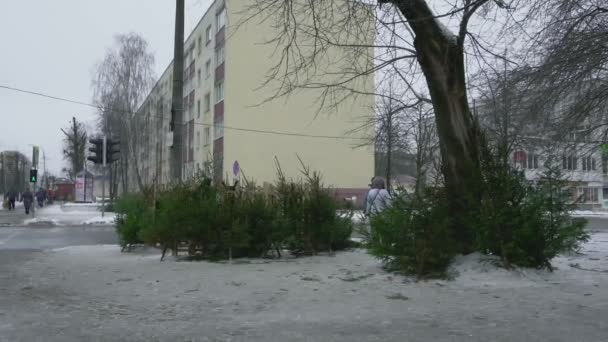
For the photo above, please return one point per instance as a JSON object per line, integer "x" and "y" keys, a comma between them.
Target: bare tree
{"x": 412, "y": 42}
{"x": 14, "y": 171}
{"x": 570, "y": 75}
{"x": 426, "y": 146}
{"x": 122, "y": 82}
{"x": 74, "y": 146}
{"x": 386, "y": 131}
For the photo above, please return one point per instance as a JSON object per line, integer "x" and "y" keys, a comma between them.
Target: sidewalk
{"x": 70, "y": 215}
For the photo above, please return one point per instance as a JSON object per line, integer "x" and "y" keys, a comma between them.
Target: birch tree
{"x": 122, "y": 81}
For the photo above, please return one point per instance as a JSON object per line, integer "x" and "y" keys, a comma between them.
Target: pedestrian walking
{"x": 40, "y": 196}
{"x": 28, "y": 199}
{"x": 12, "y": 196}
{"x": 377, "y": 198}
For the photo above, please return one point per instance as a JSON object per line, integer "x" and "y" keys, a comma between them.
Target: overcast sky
{"x": 52, "y": 47}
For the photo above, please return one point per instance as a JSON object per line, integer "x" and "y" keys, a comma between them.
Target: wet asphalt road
{"x": 40, "y": 238}
{"x": 14, "y": 235}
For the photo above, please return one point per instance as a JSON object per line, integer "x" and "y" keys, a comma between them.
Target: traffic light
{"x": 97, "y": 149}
{"x": 112, "y": 150}
{"x": 33, "y": 176}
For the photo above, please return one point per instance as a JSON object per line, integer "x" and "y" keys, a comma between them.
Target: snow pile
{"x": 589, "y": 213}
{"x": 82, "y": 207}
{"x": 109, "y": 219}
{"x": 76, "y": 204}
{"x": 481, "y": 270}
{"x": 42, "y": 220}
{"x": 477, "y": 269}
{"x": 75, "y": 215}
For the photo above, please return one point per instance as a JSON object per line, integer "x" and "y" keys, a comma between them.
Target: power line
{"x": 113, "y": 110}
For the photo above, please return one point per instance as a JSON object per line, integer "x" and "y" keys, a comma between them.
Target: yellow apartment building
{"x": 228, "y": 123}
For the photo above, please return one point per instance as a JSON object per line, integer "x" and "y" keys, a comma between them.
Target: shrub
{"x": 223, "y": 221}
{"x": 413, "y": 235}
{"x": 174, "y": 218}
{"x": 309, "y": 216}
{"x": 133, "y": 215}
{"x": 526, "y": 225}
{"x": 260, "y": 214}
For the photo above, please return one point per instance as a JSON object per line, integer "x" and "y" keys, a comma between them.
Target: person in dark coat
{"x": 28, "y": 199}
{"x": 12, "y": 196}
{"x": 40, "y": 196}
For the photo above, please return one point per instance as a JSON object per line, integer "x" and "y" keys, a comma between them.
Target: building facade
{"x": 229, "y": 131}
{"x": 536, "y": 142}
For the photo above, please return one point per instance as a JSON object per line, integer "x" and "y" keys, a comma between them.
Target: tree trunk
{"x": 441, "y": 58}
{"x": 389, "y": 153}
{"x": 458, "y": 133}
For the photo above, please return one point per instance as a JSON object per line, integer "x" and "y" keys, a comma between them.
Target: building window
{"x": 198, "y": 76}
{"x": 569, "y": 162}
{"x": 198, "y": 109}
{"x": 219, "y": 91}
{"x": 605, "y": 164}
{"x": 208, "y": 68}
{"x": 525, "y": 160}
{"x": 220, "y": 19}
{"x": 198, "y": 140}
{"x": 218, "y": 129}
{"x": 191, "y": 104}
{"x": 200, "y": 46}
{"x": 588, "y": 195}
{"x": 588, "y": 163}
{"x": 532, "y": 161}
{"x": 207, "y": 103}
{"x": 580, "y": 134}
{"x": 207, "y": 136}
{"x": 208, "y": 35}
{"x": 185, "y": 108}
{"x": 191, "y": 70}
{"x": 219, "y": 56}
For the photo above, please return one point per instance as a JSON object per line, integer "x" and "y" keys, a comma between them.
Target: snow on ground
{"x": 77, "y": 204}
{"x": 589, "y": 213}
{"x": 58, "y": 215}
{"x": 44, "y": 220}
{"x": 358, "y": 216}
{"x": 80, "y": 207}
{"x": 99, "y": 293}
{"x": 108, "y": 219}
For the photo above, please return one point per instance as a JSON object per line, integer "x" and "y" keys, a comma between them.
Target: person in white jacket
{"x": 377, "y": 198}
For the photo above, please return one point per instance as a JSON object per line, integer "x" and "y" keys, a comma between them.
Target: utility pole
{"x": 103, "y": 176}
{"x": 389, "y": 149}
{"x": 177, "y": 98}
{"x": 3, "y": 173}
{"x": 45, "y": 177}
{"x": 35, "y": 153}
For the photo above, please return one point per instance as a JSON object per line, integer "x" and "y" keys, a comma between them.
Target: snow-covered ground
{"x": 357, "y": 217}
{"x": 59, "y": 215}
{"x": 80, "y": 207}
{"x": 589, "y": 213}
{"x": 108, "y": 219}
{"x": 99, "y": 293}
